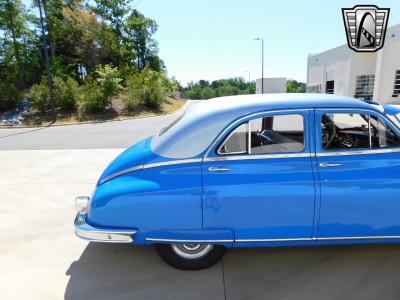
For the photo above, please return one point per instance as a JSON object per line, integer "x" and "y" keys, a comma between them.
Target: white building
{"x": 344, "y": 72}
{"x": 271, "y": 85}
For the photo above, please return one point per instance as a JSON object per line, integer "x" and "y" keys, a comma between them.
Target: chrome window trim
{"x": 188, "y": 241}
{"x": 228, "y": 137}
{"x": 358, "y": 152}
{"x": 238, "y": 121}
{"x": 256, "y": 156}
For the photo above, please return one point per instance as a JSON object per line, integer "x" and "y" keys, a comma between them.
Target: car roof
{"x": 261, "y": 102}
{"x": 202, "y": 122}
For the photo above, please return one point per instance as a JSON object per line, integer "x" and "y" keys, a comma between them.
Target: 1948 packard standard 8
{"x": 249, "y": 171}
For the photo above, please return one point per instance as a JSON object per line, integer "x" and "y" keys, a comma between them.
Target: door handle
{"x": 329, "y": 165}
{"x": 218, "y": 169}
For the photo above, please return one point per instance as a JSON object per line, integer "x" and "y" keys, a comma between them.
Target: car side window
{"x": 277, "y": 134}
{"x": 347, "y": 131}
{"x": 272, "y": 134}
{"x": 237, "y": 141}
{"x": 381, "y": 135}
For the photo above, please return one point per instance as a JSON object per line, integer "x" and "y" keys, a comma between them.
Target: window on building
{"x": 314, "y": 88}
{"x": 365, "y": 87}
{"x": 344, "y": 131}
{"x": 330, "y": 86}
{"x": 396, "y": 90}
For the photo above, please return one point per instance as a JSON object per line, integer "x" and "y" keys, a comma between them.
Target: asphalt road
{"x": 40, "y": 257}
{"x": 117, "y": 134}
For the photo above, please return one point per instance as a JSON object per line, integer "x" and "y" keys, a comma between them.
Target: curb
{"x": 97, "y": 122}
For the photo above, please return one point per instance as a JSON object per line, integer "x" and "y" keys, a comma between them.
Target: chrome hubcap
{"x": 192, "y": 250}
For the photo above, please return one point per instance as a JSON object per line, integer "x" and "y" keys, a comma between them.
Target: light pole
{"x": 249, "y": 80}
{"x": 262, "y": 63}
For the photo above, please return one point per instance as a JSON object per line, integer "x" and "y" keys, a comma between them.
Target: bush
{"x": 207, "y": 93}
{"x": 39, "y": 96}
{"x": 149, "y": 87}
{"x": 65, "y": 93}
{"x": 91, "y": 99}
{"x": 134, "y": 92}
{"x": 109, "y": 80}
{"x": 155, "y": 90}
{"x": 9, "y": 96}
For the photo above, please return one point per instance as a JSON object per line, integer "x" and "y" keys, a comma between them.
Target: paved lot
{"x": 118, "y": 134}
{"x": 40, "y": 258}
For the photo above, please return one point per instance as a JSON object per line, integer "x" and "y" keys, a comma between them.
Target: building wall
{"x": 344, "y": 65}
{"x": 387, "y": 63}
{"x": 271, "y": 85}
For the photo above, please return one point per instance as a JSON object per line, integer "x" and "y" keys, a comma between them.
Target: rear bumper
{"x": 95, "y": 234}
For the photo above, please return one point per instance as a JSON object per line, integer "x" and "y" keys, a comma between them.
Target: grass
{"x": 114, "y": 113}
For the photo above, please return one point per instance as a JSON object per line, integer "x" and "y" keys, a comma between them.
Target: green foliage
{"x": 65, "y": 93}
{"x": 134, "y": 92}
{"x": 207, "y": 93}
{"x": 292, "y": 86}
{"x": 108, "y": 80}
{"x": 91, "y": 99}
{"x": 39, "y": 96}
{"x": 148, "y": 87}
{"x": 203, "y": 89}
{"x": 9, "y": 96}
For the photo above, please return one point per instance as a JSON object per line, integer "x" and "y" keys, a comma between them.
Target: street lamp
{"x": 249, "y": 80}
{"x": 262, "y": 63}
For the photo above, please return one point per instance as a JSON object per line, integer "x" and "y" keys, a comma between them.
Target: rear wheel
{"x": 191, "y": 256}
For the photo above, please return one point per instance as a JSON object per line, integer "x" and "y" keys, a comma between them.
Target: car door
{"x": 258, "y": 179}
{"x": 358, "y": 157}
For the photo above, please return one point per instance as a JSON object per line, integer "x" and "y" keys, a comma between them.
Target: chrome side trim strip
{"x": 173, "y": 162}
{"x": 187, "y": 241}
{"x": 357, "y": 152}
{"x": 251, "y": 157}
{"x": 273, "y": 240}
{"x": 125, "y": 171}
{"x": 359, "y": 238}
{"x": 149, "y": 166}
{"x": 319, "y": 239}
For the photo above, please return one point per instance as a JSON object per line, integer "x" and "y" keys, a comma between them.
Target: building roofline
{"x": 345, "y": 45}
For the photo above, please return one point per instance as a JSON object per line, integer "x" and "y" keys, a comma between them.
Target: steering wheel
{"x": 265, "y": 140}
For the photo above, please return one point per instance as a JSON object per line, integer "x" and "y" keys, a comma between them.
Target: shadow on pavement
{"x": 120, "y": 271}
{"x": 334, "y": 272}
{"x": 111, "y": 271}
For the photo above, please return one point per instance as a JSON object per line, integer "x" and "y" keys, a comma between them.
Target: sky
{"x": 213, "y": 39}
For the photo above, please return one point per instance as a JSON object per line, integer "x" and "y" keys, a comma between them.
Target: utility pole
{"x": 248, "y": 83}
{"x": 262, "y": 63}
{"x": 46, "y": 57}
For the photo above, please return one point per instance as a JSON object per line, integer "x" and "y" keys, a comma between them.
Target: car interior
{"x": 356, "y": 131}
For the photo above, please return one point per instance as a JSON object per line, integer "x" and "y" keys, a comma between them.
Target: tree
{"x": 13, "y": 24}
{"x": 292, "y": 86}
{"x": 141, "y": 46}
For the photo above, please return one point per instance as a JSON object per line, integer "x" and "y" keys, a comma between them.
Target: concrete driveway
{"x": 40, "y": 258}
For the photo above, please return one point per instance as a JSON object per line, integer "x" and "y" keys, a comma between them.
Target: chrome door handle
{"x": 218, "y": 169}
{"x": 328, "y": 165}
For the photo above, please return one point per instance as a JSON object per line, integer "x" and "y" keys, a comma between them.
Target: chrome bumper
{"x": 88, "y": 232}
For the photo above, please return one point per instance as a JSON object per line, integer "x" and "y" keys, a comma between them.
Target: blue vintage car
{"x": 250, "y": 171}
